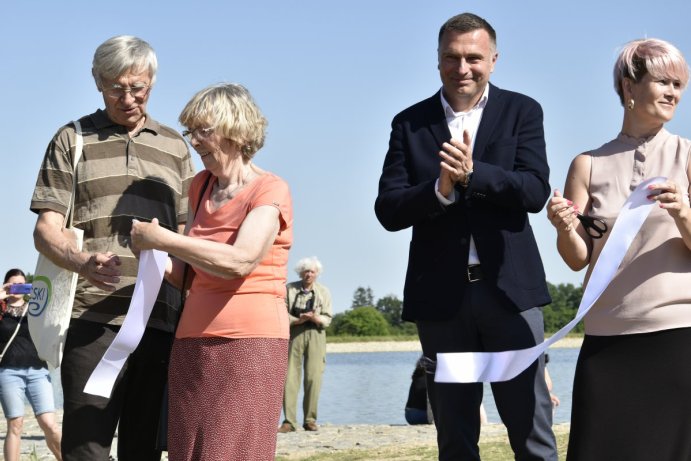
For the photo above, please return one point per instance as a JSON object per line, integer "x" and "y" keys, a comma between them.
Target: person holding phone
{"x": 22, "y": 373}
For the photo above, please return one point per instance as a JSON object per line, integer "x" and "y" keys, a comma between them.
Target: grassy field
{"x": 491, "y": 449}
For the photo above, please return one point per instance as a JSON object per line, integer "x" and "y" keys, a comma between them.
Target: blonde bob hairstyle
{"x": 653, "y": 56}
{"x": 121, "y": 54}
{"x": 229, "y": 109}
{"x": 308, "y": 263}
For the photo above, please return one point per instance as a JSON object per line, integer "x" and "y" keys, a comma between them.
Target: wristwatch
{"x": 468, "y": 177}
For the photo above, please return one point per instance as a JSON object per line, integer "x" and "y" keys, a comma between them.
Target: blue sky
{"x": 329, "y": 76}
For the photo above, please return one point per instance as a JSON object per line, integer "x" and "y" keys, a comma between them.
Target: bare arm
{"x": 256, "y": 235}
{"x": 573, "y": 242}
{"x": 58, "y": 244}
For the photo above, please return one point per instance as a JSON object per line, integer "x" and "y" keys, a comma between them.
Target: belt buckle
{"x": 471, "y": 277}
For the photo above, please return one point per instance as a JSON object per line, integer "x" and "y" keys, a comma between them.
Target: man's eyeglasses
{"x": 117, "y": 91}
{"x": 200, "y": 133}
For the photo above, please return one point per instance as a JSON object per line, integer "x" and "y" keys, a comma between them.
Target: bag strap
{"x": 78, "y": 147}
{"x": 185, "y": 271}
{"x": 16, "y": 330}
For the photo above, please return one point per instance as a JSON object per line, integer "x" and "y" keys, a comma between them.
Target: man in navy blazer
{"x": 464, "y": 168}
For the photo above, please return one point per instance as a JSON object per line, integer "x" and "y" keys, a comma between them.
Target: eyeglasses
{"x": 117, "y": 91}
{"x": 199, "y": 133}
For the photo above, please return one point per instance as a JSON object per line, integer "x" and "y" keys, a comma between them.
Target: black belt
{"x": 474, "y": 273}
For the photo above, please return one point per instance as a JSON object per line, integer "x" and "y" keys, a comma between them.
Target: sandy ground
{"x": 300, "y": 444}
{"x": 329, "y": 438}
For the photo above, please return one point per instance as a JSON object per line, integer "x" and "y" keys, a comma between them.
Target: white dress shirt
{"x": 458, "y": 123}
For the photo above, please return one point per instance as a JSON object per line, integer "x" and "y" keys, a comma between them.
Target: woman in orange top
{"x": 229, "y": 359}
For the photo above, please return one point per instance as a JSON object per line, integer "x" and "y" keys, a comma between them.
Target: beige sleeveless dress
{"x": 652, "y": 288}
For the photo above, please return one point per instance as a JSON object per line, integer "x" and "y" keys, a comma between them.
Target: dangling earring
{"x": 631, "y": 104}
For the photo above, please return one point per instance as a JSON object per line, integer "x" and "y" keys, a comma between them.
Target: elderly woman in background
{"x": 229, "y": 358}
{"x": 632, "y": 383}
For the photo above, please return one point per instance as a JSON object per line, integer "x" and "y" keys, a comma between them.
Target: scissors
{"x": 595, "y": 227}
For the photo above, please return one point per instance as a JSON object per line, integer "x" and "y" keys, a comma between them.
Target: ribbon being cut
{"x": 152, "y": 265}
{"x": 473, "y": 367}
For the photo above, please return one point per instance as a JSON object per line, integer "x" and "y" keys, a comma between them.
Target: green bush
{"x": 361, "y": 321}
{"x": 565, "y": 300}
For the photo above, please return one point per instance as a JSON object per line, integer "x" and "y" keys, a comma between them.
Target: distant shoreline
{"x": 413, "y": 346}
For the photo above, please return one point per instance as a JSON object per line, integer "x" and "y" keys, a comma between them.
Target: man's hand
{"x": 309, "y": 317}
{"x": 102, "y": 270}
{"x": 456, "y": 163}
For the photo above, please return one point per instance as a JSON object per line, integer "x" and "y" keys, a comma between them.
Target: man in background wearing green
{"x": 309, "y": 308}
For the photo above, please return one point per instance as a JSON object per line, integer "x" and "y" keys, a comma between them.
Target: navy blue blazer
{"x": 510, "y": 179}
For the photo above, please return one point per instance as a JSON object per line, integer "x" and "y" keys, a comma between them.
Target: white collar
{"x": 450, "y": 113}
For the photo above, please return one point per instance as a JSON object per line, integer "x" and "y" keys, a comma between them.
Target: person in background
{"x": 229, "y": 358}
{"x": 631, "y": 385}
{"x": 464, "y": 168}
{"x": 417, "y": 408}
{"x": 310, "y": 313}
{"x": 550, "y": 385}
{"x": 131, "y": 167}
{"x": 23, "y": 373}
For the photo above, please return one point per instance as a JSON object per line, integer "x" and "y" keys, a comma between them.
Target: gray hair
{"x": 123, "y": 53}
{"x": 307, "y": 264}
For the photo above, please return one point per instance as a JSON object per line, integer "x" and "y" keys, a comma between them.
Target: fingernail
{"x": 569, "y": 202}
{"x": 651, "y": 187}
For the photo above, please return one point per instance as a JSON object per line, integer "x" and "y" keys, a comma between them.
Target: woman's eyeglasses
{"x": 199, "y": 133}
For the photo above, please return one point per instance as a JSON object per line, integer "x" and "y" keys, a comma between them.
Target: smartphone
{"x": 20, "y": 289}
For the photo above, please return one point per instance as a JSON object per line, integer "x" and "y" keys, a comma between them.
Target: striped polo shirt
{"x": 118, "y": 178}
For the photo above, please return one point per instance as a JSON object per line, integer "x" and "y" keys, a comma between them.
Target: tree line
{"x": 382, "y": 317}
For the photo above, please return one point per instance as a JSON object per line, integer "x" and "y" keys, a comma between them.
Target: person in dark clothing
{"x": 417, "y": 409}
{"x": 22, "y": 373}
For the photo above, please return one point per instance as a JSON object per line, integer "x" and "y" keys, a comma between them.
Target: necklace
{"x": 221, "y": 195}
{"x": 15, "y": 311}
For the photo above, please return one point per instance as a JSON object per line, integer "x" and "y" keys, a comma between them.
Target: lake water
{"x": 372, "y": 387}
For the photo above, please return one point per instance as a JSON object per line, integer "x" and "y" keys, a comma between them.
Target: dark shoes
{"x": 286, "y": 427}
{"x": 311, "y": 426}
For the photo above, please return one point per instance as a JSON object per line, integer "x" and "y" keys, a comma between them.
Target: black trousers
{"x": 486, "y": 322}
{"x": 89, "y": 421}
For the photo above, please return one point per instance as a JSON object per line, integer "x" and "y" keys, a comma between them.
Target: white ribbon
{"x": 152, "y": 265}
{"x": 473, "y": 367}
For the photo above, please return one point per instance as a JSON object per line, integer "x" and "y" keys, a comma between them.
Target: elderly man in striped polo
{"x": 131, "y": 167}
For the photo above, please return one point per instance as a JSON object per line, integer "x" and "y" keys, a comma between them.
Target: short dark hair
{"x": 467, "y": 22}
{"x": 13, "y": 273}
